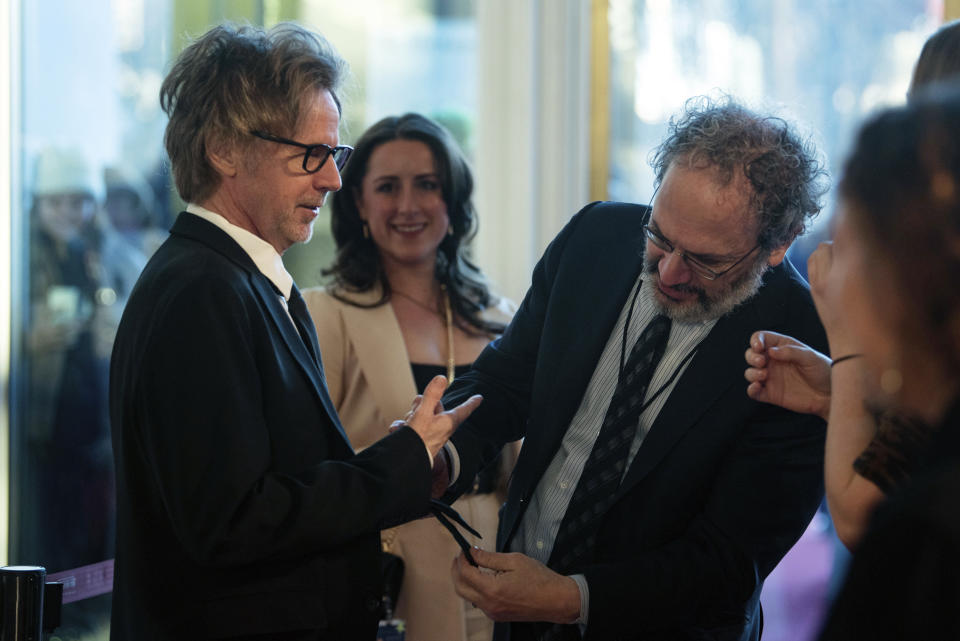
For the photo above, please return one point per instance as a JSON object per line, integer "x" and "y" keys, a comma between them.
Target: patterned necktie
{"x": 604, "y": 468}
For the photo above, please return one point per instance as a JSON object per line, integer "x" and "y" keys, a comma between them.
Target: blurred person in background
{"x": 81, "y": 273}
{"x": 132, "y": 208}
{"x": 405, "y": 305}
{"x": 939, "y": 59}
{"x": 869, "y": 452}
{"x": 892, "y": 271}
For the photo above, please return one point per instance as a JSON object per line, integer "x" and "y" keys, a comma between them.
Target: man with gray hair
{"x": 652, "y": 496}
{"x": 242, "y": 510}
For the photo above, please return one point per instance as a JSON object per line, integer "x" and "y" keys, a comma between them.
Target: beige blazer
{"x": 369, "y": 377}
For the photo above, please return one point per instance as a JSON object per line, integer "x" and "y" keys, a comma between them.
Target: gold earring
{"x": 449, "y": 230}
{"x": 365, "y": 228}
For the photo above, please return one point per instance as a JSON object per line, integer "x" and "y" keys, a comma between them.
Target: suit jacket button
{"x": 372, "y": 604}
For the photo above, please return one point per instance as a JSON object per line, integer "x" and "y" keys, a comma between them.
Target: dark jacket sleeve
{"x": 504, "y": 372}
{"x": 242, "y": 458}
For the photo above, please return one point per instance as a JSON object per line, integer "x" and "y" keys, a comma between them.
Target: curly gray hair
{"x": 786, "y": 174}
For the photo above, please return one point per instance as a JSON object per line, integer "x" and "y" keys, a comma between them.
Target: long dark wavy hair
{"x": 357, "y": 267}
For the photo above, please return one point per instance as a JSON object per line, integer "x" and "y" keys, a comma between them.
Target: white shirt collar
{"x": 262, "y": 253}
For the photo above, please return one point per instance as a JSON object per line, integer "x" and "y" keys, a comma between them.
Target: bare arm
{"x": 850, "y": 429}
{"x": 786, "y": 372}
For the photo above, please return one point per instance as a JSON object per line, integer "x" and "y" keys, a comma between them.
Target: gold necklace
{"x": 422, "y": 305}
{"x": 448, "y": 324}
{"x": 451, "y": 359}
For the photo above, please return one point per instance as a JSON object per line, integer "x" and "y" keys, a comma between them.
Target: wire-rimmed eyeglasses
{"x": 696, "y": 265}
{"x": 314, "y": 156}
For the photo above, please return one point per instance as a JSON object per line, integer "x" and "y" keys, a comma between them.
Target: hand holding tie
{"x": 514, "y": 587}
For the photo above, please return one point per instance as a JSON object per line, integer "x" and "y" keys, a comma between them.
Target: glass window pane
{"x": 826, "y": 64}
{"x": 95, "y": 205}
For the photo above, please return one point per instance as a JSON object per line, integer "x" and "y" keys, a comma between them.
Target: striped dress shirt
{"x": 541, "y": 521}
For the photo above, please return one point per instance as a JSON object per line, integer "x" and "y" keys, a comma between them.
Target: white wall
{"x": 532, "y": 135}
{"x": 9, "y": 71}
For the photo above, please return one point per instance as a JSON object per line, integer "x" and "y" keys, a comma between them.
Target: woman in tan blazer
{"x": 406, "y": 305}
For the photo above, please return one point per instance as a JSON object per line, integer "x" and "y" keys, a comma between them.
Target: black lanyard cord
{"x": 623, "y": 354}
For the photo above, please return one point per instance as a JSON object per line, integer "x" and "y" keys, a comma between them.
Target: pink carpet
{"x": 795, "y": 595}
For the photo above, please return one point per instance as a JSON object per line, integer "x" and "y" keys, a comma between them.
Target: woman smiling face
{"x": 401, "y": 200}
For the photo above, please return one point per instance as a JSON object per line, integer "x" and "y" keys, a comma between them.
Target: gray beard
{"x": 705, "y": 307}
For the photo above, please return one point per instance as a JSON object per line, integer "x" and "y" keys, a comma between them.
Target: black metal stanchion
{"x": 23, "y": 591}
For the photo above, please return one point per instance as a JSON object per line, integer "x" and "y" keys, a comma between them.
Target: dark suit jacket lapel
{"x": 311, "y": 366}
{"x": 209, "y": 234}
{"x": 700, "y": 386}
{"x": 307, "y": 331}
{"x": 586, "y": 312}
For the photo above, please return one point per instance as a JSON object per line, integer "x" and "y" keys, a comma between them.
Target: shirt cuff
{"x": 581, "y": 582}
{"x": 453, "y": 460}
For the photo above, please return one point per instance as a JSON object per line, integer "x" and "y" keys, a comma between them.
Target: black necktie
{"x": 301, "y": 319}
{"x": 604, "y": 468}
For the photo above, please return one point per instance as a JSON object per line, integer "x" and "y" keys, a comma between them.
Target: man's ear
{"x": 224, "y": 157}
{"x": 776, "y": 256}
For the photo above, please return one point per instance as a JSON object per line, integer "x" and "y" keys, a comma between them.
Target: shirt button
{"x": 539, "y": 545}
{"x": 563, "y": 485}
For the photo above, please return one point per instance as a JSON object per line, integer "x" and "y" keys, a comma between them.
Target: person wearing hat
{"x": 80, "y": 273}
{"x": 132, "y": 209}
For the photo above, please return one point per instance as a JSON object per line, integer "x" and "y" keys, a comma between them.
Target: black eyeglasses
{"x": 314, "y": 156}
{"x": 696, "y": 265}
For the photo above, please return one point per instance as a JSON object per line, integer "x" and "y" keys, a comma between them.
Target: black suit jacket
{"x": 721, "y": 487}
{"x": 241, "y": 507}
